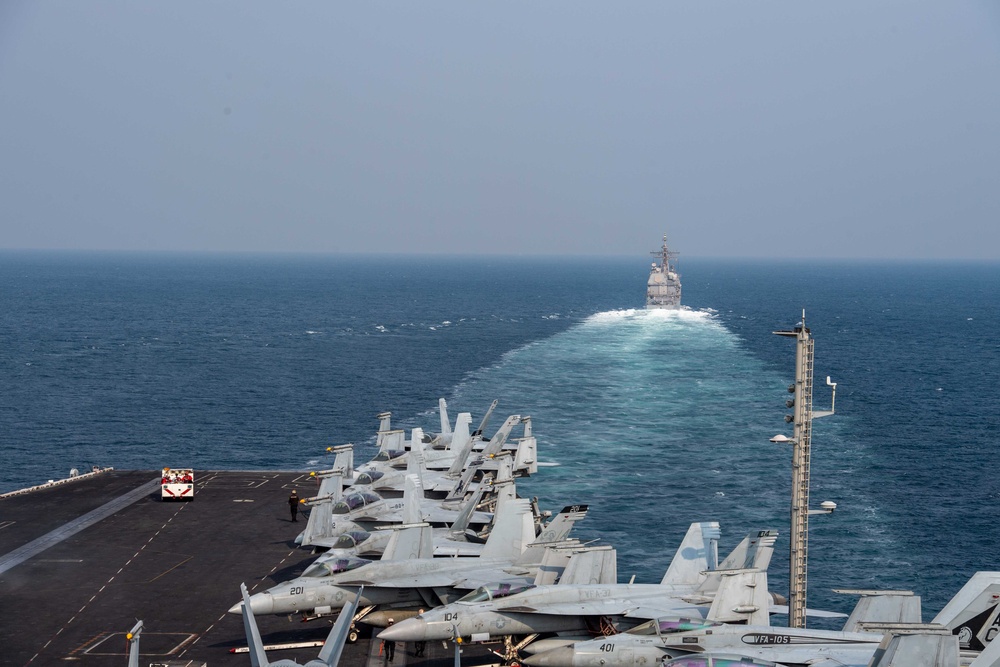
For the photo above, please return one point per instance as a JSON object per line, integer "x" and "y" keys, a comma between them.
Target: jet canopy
{"x": 334, "y": 566}
{"x": 389, "y": 454}
{"x": 369, "y": 477}
{"x": 353, "y": 501}
{"x": 494, "y": 591}
{"x": 351, "y": 539}
{"x": 666, "y": 627}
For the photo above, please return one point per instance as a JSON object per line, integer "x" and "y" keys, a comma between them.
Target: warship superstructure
{"x": 663, "y": 289}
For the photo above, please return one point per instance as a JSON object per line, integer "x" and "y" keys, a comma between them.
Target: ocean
{"x": 656, "y": 419}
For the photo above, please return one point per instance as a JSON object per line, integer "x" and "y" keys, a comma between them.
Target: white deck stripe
{"x": 35, "y": 547}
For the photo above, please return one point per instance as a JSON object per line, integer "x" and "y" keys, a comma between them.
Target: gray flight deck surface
{"x": 81, "y": 562}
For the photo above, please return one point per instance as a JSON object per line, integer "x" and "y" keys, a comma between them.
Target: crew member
{"x": 389, "y": 645}
{"x": 293, "y": 504}
{"x": 418, "y": 647}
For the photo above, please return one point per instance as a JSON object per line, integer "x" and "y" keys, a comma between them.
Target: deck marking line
{"x": 33, "y": 548}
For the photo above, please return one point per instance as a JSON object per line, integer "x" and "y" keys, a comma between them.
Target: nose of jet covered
{"x": 260, "y": 603}
{"x": 557, "y": 657}
{"x": 416, "y": 630}
{"x": 410, "y": 630}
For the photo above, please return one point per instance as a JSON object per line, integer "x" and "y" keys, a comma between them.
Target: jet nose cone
{"x": 260, "y": 603}
{"x": 557, "y": 657}
{"x": 410, "y": 630}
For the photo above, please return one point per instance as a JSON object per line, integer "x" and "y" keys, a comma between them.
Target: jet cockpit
{"x": 353, "y": 501}
{"x": 351, "y": 539}
{"x": 333, "y": 566}
{"x": 665, "y": 627}
{"x": 388, "y": 455}
{"x": 369, "y": 477}
{"x": 494, "y": 591}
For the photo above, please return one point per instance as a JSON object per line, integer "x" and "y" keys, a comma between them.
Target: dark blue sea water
{"x": 656, "y": 419}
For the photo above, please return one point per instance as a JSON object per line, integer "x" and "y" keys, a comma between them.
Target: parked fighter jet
{"x": 686, "y": 590}
{"x": 511, "y": 553}
{"x": 337, "y": 512}
{"x": 456, "y": 540}
{"x": 329, "y": 655}
{"x": 650, "y": 643}
{"x": 327, "y": 529}
{"x": 922, "y": 646}
{"x": 883, "y": 623}
{"x": 443, "y": 469}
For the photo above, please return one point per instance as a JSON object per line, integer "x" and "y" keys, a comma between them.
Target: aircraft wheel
{"x": 352, "y": 636}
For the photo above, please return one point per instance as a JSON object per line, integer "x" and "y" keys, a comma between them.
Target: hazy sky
{"x": 745, "y": 128}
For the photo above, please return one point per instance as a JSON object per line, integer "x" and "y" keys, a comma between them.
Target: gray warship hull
{"x": 663, "y": 289}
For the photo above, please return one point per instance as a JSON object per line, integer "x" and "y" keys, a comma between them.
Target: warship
{"x": 663, "y": 289}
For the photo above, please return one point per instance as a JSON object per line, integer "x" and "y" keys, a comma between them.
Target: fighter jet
{"x": 688, "y": 589}
{"x": 511, "y": 553}
{"x": 344, "y": 537}
{"x": 456, "y": 540}
{"x": 443, "y": 469}
{"x": 921, "y": 646}
{"x": 650, "y": 643}
{"x": 329, "y": 655}
{"x": 334, "y": 512}
{"x": 883, "y": 623}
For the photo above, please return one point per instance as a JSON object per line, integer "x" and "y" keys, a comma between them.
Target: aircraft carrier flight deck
{"x": 80, "y": 562}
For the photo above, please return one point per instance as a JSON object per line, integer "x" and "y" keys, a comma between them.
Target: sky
{"x": 766, "y": 129}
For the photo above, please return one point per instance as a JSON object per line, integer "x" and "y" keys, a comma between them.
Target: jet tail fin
{"x": 333, "y": 647}
{"x": 133, "y": 644}
{"x": 553, "y": 564}
{"x": 505, "y": 489}
{"x": 344, "y": 460}
{"x": 390, "y": 441}
{"x": 974, "y": 613}
{"x": 384, "y": 419}
{"x": 699, "y": 551}
{"x": 499, "y": 438}
{"x": 413, "y": 495}
{"x": 331, "y": 485}
{"x": 414, "y": 538}
{"x": 742, "y": 598}
{"x": 878, "y": 607}
{"x": 458, "y": 491}
{"x": 990, "y": 657}
{"x": 465, "y": 516}
{"x": 754, "y": 551}
{"x": 320, "y": 521}
{"x": 415, "y": 463}
{"x": 526, "y": 455}
{"x": 486, "y": 419}
{"x": 256, "y": 647}
{"x": 461, "y": 443}
{"x": 561, "y": 524}
{"x": 445, "y": 423}
{"x": 513, "y": 528}
{"x": 920, "y": 646}
{"x": 592, "y": 565}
